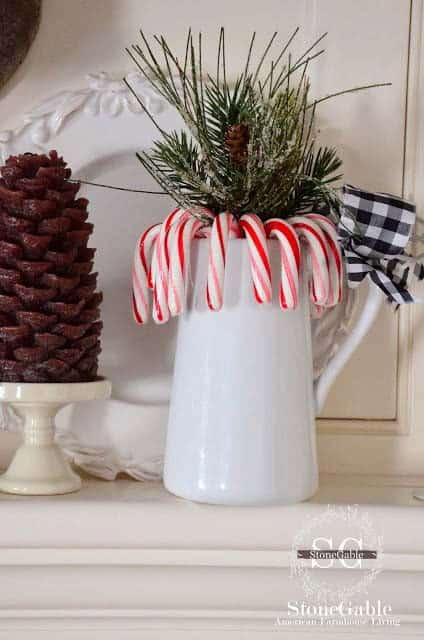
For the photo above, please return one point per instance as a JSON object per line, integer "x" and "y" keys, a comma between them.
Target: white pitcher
{"x": 241, "y": 427}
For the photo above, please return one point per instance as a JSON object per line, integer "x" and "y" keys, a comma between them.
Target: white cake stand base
{"x": 39, "y": 466}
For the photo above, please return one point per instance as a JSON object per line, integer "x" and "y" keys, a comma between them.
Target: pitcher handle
{"x": 363, "y": 324}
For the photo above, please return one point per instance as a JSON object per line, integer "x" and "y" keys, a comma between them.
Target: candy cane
{"x": 290, "y": 261}
{"x": 235, "y": 230}
{"x": 160, "y": 310}
{"x": 224, "y": 227}
{"x": 259, "y": 258}
{"x": 319, "y": 252}
{"x": 175, "y": 215}
{"x": 335, "y": 257}
{"x": 185, "y": 231}
{"x": 160, "y": 265}
{"x": 140, "y": 298}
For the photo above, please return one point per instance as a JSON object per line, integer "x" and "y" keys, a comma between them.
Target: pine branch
{"x": 251, "y": 145}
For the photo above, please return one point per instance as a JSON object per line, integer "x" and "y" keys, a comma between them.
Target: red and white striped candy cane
{"x": 335, "y": 257}
{"x": 160, "y": 265}
{"x": 140, "y": 297}
{"x": 224, "y": 227}
{"x": 260, "y": 265}
{"x": 290, "y": 260}
{"x": 319, "y": 254}
{"x": 235, "y": 230}
{"x": 185, "y": 231}
{"x": 160, "y": 310}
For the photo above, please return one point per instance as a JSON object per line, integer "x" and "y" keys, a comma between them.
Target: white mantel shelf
{"x": 128, "y": 558}
{"x": 136, "y": 515}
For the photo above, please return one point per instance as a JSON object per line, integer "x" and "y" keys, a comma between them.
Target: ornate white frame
{"x": 104, "y": 95}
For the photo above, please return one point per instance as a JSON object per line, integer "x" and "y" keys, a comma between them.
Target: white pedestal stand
{"x": 39, "y": 467}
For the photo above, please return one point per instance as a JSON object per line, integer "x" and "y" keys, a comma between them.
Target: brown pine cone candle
{"x": 49, "y": 307}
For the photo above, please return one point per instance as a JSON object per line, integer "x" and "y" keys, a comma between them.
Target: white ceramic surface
{"x": 39, "y": 466}
{"x": 241, "y": 427}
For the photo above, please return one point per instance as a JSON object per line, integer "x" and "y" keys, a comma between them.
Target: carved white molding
{"x": 104, "y": 95}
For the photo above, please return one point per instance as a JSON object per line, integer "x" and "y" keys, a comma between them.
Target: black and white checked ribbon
{"x": 374, "y": 230}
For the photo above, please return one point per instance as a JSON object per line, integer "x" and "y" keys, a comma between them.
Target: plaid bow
{"x": 374, "y": 230}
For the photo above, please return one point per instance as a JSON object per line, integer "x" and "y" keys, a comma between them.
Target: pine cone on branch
{"x": 49, "y": 307}
{"x": 236, "y": 142}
